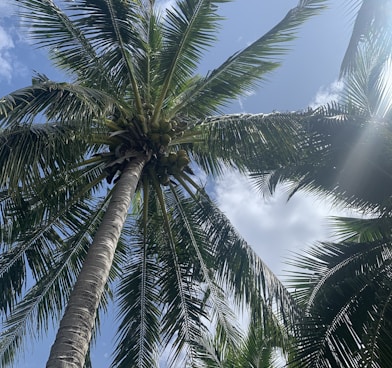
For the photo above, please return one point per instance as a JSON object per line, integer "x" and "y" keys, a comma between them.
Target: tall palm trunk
{"x": 73, "y": 337}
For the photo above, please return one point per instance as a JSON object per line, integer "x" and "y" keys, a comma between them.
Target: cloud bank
{"x": 327, "y": 94}
{"x": 6, "y": 44}
{"x": 273, "y": 226}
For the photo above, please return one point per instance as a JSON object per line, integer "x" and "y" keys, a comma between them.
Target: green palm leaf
{"x": 349, "y": 296}
{"x": 239, "y": 140}
{"x": 243, "y": 70}
{"x": 189, "y": 29}
{"x": 29, "y": 152}
{"x": 45, "y": 300}
{"x": 58, "y": 101}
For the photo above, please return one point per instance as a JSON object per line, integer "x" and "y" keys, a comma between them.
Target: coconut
{"x": 165, "y": 139}
{"x": 165, "y": 126}
{"x": 172, "y": 157}
{"x": 182, "y": 161}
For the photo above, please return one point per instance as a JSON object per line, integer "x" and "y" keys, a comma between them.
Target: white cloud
{"x": 6, "y": 44}
{"x": 327, "y": 94}
{"x": 274, "y": 227}
{"x": 5, "y": 40}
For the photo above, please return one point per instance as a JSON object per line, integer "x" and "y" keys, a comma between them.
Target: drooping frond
{"x": 246, "y": 141}
{"x": 34, "y": 224}
{"x": 68, "y": 103}
{"x": 237, "y": 266}
{"x": 341, "y": 158}
{"x": 30, "y": 152}
{"x": 166, "y": 295}
{"x": 258, "y": 348}
{"x": 202, "y": 250}
{"x": 349, "y": 294}
{"x": 139, "y": 332}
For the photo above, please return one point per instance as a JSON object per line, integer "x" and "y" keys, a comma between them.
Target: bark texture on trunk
{"x": 74, "y": 334}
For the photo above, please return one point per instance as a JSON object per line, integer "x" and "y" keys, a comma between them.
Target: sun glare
{"x": 385, "y": 90}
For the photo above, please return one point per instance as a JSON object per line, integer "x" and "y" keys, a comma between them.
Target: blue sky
{"x": 308, "y": 76}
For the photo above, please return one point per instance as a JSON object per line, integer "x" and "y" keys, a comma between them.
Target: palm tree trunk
{"x": 73, "y": 337}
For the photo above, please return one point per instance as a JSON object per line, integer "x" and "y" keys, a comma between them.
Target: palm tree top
{"x": 135, "y": 97}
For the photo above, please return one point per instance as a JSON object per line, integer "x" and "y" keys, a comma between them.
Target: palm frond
{"x": 139, "y": 331}
{"x": 371, "y": 26}
{"x": 243, "y": 70}
{"x": 368, "y": 86}
{"x": 57, "y": 101}
{"x": 246, "y": 141}
{"x": 349, "y": 291}
{"x": 51, "y": 27}
{"x": 189, "y": 28}
{"x": 52, "y": 212}
{"x": 47, "y": 298}
{"x": 112, "y": 27}
{"x": 182, "y": 323}
{"x": 219, "y": 306}
{"x": 363, "y": 230}
{"x": 29, "y": 152}
{"x": 341, "y": 159}
{"x": 238, "y": 269}
{"x": 258, "y": 348}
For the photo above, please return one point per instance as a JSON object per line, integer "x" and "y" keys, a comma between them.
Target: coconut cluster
{"x": 171, "y": 164}
{"x": 141, "y": 133}
{"x": 162, "y": 133}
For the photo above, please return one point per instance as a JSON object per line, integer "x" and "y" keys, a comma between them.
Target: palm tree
{"x": 265, "y": 340}
{"x": 134, "y": 113}
{"x": 345, "y": 288}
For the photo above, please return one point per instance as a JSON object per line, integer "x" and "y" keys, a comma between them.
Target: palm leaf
{"x": 349, "y": 295}
{"x": 202, "y": 251}
{"x": 29, "y": 152}
{"x": 138, "y": 334}
{"x": 52, "y": 28}
{"x": 340, "y": 160}
{"x": 58, "y": 101}
{"x": 243, "y": 141}
{"x": 238, "y": 269}
{"x": 241, "y": 72}
{"x": 112, "y": 27}
{"x": 48, "y": 216}
{"x": 363, "y": 230}
{"x": 189, "y": 28}
{"x": 46, "y": 299}
{"x": 371, "y": 26}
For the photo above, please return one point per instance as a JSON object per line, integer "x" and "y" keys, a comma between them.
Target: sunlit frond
{"x": 372, "y": 26}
